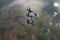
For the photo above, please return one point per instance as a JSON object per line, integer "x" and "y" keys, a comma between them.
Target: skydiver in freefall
{"x": 30, "y": 15}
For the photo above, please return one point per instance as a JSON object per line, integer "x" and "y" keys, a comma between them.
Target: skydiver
{"x": 30, "y": 16}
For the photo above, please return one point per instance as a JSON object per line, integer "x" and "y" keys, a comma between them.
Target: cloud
{"x": 36, "y": 5}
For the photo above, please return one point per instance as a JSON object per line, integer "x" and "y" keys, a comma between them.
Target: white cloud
{"x": 56, "y": 4}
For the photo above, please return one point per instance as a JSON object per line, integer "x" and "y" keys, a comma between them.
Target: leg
{"x": 28, "y": 21}
{"x": 32, "y": 21}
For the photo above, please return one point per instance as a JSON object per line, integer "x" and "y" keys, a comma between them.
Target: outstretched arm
{"x": 35, "y": 13}
{"x": 29, "y": 9}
